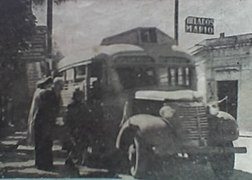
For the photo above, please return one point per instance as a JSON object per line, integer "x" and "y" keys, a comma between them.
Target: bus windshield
{"x": 132, "y": 77}
{"x": 161, "y": 76}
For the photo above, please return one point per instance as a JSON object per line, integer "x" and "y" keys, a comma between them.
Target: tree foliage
{"x": 17, "y": 24}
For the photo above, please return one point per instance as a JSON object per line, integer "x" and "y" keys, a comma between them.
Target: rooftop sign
{"x": 199, "y": 25}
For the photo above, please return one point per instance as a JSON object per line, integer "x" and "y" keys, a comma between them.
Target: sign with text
{"x": 199, "y": 25}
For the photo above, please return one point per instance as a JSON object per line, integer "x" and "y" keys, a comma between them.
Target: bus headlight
{"x": 167, "y": 112}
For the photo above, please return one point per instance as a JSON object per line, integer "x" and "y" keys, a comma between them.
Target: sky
{"x": 81, "y": 24}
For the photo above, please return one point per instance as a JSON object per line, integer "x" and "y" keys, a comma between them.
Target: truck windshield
{"x": 166, "y": 77}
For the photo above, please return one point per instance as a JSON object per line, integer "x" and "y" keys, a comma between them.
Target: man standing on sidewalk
{"x": 41, "y": 86}
{"x": 48, "y": 109}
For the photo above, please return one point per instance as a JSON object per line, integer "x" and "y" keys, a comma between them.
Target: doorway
{"x": 229, "y": 89}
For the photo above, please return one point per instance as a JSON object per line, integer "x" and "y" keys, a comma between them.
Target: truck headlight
{"x": 167, "y": 112}
{"x": 213, "y": 109}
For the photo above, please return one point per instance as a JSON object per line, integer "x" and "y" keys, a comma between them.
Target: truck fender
{"x": 151, "y": 129}
{"x": 225, "y": 124}
{"x": 126, "y": 132}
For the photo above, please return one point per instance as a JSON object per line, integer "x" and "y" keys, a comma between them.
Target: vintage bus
{"x": 151, "y": 107}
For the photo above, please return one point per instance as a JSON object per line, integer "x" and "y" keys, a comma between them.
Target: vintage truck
{"x": 177, "y": 125}
{"x": 151, "y": 95}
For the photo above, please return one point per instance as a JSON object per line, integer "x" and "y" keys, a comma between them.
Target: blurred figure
{"x": 78, "y": 121}
{"x": 96, "y": 91}
{"x": 41, "y": 86}
{"x": 6, "y": 111}
{"x": 10, "y": 112}
{"x": 47, "y": 111}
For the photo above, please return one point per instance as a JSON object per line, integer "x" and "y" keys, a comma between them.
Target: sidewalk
{"x": 17, "y": 160}
{"x": 247, "y": 134}
{"x": 243, "y": 161}
{"x": 6, "y": 145}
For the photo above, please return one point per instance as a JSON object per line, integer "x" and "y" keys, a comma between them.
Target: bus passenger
{"x": 78, "y": 122}
{"x": 96, "y": 91}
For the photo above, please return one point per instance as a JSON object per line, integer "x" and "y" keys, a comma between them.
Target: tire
{"x": 223, "y": 164}
{"x": 137, "y": 156}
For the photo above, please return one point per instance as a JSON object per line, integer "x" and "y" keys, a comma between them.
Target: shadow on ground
{"x": 195, "y": 172}
{"x": 19, "y": 163}
{"x": 61, "y": 171}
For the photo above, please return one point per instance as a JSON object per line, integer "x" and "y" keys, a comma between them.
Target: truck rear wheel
{"x": 223, "y": 164}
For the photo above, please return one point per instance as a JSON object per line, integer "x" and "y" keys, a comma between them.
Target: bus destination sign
{"x": 199, "y": 25}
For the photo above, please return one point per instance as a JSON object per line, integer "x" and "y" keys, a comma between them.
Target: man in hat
{"x": 41, "y": 86}
{"x": 44, "y": 121}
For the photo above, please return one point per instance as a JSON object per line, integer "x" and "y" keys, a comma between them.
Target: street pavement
{"x": 17, "y": 161}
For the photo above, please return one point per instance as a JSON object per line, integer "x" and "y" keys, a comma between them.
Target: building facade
{"x": 35, "y": 58}
{"x": 228, "y": 71}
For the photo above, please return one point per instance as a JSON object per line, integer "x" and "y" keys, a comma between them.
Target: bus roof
{"x": 159, "y": 52}
{"x": 85, "y": 56}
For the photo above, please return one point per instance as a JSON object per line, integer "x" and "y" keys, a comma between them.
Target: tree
{"x": 17, "y": 24}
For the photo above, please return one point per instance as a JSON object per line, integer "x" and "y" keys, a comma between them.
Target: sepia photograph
{"x": 126, "y": 89}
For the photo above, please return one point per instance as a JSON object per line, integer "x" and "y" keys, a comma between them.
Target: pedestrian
{"x": 41, "y": 86}
{"x": 47, "y": 111}
{"x": 78, "y": 122}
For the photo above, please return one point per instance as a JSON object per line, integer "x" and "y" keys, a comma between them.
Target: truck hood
{"x": 188, "y": 95}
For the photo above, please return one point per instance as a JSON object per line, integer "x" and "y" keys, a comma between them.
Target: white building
{"x": 228, "y": 71}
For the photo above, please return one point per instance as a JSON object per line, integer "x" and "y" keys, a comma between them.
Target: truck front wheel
{"x": 223, "y": 164}
{"x": 138, "y": 158}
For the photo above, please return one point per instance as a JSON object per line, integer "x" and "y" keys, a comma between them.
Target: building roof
{"x": 223, "y": 42}
{"x": 125, "y": 38}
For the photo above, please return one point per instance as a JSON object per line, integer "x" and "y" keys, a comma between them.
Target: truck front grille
{"x": 194, "y": 123}
{"x": 190, "y": 115}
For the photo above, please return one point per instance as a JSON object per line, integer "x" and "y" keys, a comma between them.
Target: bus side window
{"x": 80, "y": 73}
{"x": 163, "y": 76}
{"x": 174, "y": 76}
{"x": 69, "y": 75}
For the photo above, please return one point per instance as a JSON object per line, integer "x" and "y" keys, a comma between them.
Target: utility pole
{"x": 176, "y": 15}
{"x": 49, "y": 31}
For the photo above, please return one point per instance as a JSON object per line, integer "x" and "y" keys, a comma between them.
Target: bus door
{"x": 94, "y": 99}
{"x": 68, "y": 89}
{"x": 94, "y": 82}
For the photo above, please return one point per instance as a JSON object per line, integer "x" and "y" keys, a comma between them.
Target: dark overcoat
{"x": 48, "y": 109}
